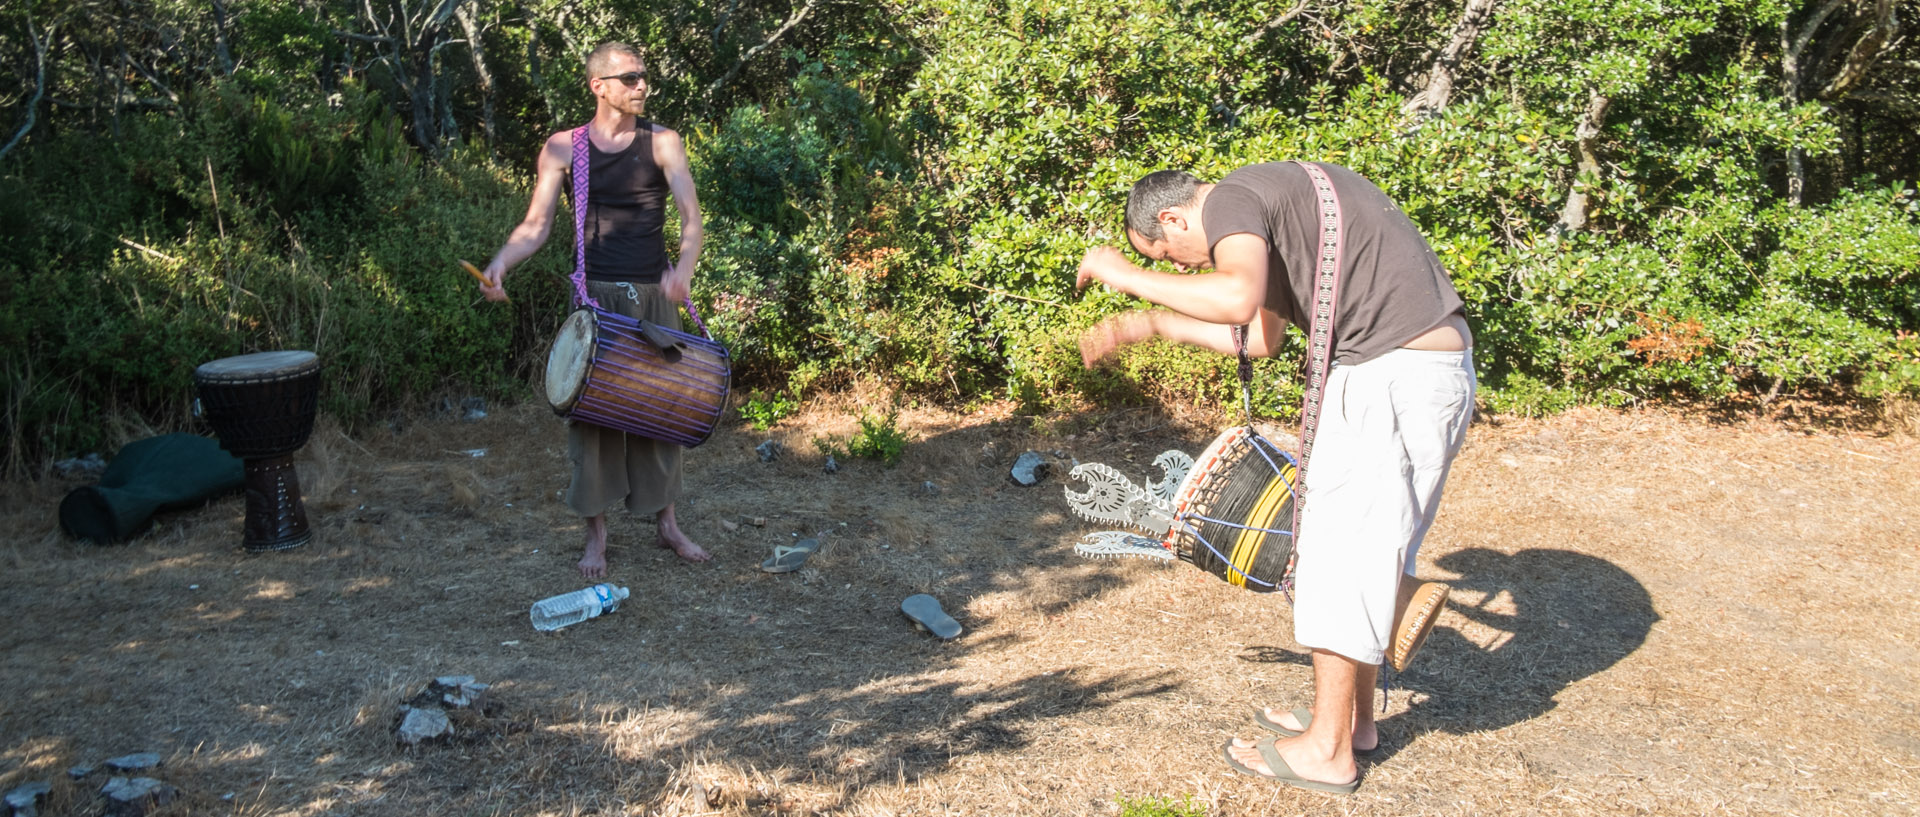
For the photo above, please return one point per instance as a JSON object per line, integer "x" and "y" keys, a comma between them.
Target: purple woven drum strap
{"x": 580, "y": 165}
{"x": 1326, "y": 296}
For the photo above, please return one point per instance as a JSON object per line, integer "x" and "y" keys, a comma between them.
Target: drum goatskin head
{"x": 257, "y": 365}
{"x": 570, "y": 359}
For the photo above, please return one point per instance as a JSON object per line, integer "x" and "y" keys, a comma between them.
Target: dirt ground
{"x": 1654, "y": 613}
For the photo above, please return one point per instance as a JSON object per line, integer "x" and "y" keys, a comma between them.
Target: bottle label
{"x": 604, "y": 592}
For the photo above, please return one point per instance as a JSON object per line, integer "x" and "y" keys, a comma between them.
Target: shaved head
{"x": 598, "y": 62}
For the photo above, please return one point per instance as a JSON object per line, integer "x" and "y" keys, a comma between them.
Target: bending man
{"x": 1394, "y": 412}
{"x": 634, "y": 165}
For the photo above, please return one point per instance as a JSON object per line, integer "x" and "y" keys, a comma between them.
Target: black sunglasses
{"x": 631, "y": 79}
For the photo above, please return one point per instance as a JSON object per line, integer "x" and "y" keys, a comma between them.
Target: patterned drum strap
{"x": 580, "y": 168}
{"x": 580, "y": 165}
{"x": 1326, "y": 295}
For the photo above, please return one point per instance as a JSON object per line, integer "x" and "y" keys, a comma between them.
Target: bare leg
{"x": 593, "y": 564}
{"x": 673, "y": 539}
{"x": 1366, "y": 734}
{"x": 1325, "y": 751}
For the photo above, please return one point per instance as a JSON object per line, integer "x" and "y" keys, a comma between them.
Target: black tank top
{"x": 626, "y": 209}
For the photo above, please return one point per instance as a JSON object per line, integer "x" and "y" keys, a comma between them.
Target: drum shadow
{"x": 1548, "y": 618}
{"x": 1557, "y": 617}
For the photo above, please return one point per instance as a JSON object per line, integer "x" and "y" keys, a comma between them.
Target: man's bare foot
{"x": 1301, "y": 759}
{"x": 673, "y": 539}
{"x": 593, "y": 564}
{"x": 1365, "y": 738}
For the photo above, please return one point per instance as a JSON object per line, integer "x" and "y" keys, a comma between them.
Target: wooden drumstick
{"x": 476, "y": 273}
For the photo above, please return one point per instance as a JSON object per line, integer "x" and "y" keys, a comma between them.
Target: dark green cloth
{"x": 164, "y": 473}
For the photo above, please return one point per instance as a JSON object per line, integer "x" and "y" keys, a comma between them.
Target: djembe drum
{"x": 1233, "y": 512}
{"x": 639, "y": 377}
{"x": 1233, "y": 517}
{"x": 262, "y": 407}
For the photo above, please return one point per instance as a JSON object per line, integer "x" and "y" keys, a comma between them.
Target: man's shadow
{"x": 1549, "y": 618}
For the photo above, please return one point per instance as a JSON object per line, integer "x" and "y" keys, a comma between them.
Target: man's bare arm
{"x": 671, "y": 154}
{"x": 1229, "y": 295}
{"x": 1264, "y": 334}
{"x": 532, "y": 231}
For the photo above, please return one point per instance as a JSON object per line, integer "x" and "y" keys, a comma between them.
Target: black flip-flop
{"x": 1282, "y": 773}
{"x": 927, "y": 615}
{"x": 1305, "y": 717}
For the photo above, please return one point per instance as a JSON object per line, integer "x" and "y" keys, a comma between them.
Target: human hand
{"x": 1103, "y": 264}
{"x": 492, "y": 282}
{"x": 676, "y": 285}
{"x": 1100, "y": 341}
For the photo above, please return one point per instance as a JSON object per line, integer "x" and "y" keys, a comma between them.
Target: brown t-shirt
{"x": 1392, "y": 287}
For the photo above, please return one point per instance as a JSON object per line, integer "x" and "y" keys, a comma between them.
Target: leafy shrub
{"x": 879, "y": 438}
{"x": 762, "y": 409}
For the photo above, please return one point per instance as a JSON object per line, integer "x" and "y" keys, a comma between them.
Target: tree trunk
{"x": 1881, "y": 29}
{"x": 1439, "y": 88}
{"x": 478, "y": 52}
{"x": 1586, "y": 138}
{"x": 220, "y": 45}
{"x": 1793, "y": 49}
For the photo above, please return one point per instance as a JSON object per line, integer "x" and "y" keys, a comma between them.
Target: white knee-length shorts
{"x": 1389, "y": 429}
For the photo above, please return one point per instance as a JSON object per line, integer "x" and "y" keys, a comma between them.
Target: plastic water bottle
{"x": 575, "y": 607}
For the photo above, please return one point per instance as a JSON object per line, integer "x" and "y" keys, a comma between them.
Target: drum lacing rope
{"x": 1254, "y": 439}
{"x": 580, "y": 169}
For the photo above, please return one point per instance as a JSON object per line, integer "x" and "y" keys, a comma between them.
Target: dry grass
{"x": 1655, "y": 614}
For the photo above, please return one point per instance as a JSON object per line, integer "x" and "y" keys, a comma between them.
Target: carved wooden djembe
{"x": 262, "y": 407}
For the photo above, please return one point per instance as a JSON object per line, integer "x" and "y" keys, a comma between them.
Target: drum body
{"x": 262, "y": 407}
{"x": 1233, "y": 512}
{"x": 642, "y": 378}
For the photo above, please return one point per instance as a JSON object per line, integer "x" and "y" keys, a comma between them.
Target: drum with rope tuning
{"x": 1233, "y": 512}
{"x": 636, "y": 376}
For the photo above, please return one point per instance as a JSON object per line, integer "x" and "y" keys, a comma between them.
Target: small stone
{"x": 929, "y": 488}
{"x": 832, "y": 467}
{"x": 139, "y": 761}
{"x": 132, "y": 798}
{"x": 80, "y": 771}
{"x": 24, "y": 799}
{"x": 770, "y": 450}
{"x": 1029, "y": 469}
{"x": 423, "y": 725}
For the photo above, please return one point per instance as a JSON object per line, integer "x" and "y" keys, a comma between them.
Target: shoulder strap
{"x": 580, "y": 165}
{"x": 1320, "y": 337}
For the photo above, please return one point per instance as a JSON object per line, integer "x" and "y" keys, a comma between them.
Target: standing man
{"x": 1394, "y": 410}
{"x": 633, "y": 165}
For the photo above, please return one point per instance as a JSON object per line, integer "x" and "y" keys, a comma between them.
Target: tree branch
{"x": 1277, "y": 22}
{"x": 39, "y": 84}
{"x": 755, "y": 51}
{"x": 476, "y": 50}
{"x": 1440, "y": 78}
{"x": 1865, "y": 51}
{"x": 1573, "y": 216}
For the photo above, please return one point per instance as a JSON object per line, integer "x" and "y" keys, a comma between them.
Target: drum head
{"x": 1205, "y": 467}
{"x": 570, "y": 359}
{"x": 259, "y": 366}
